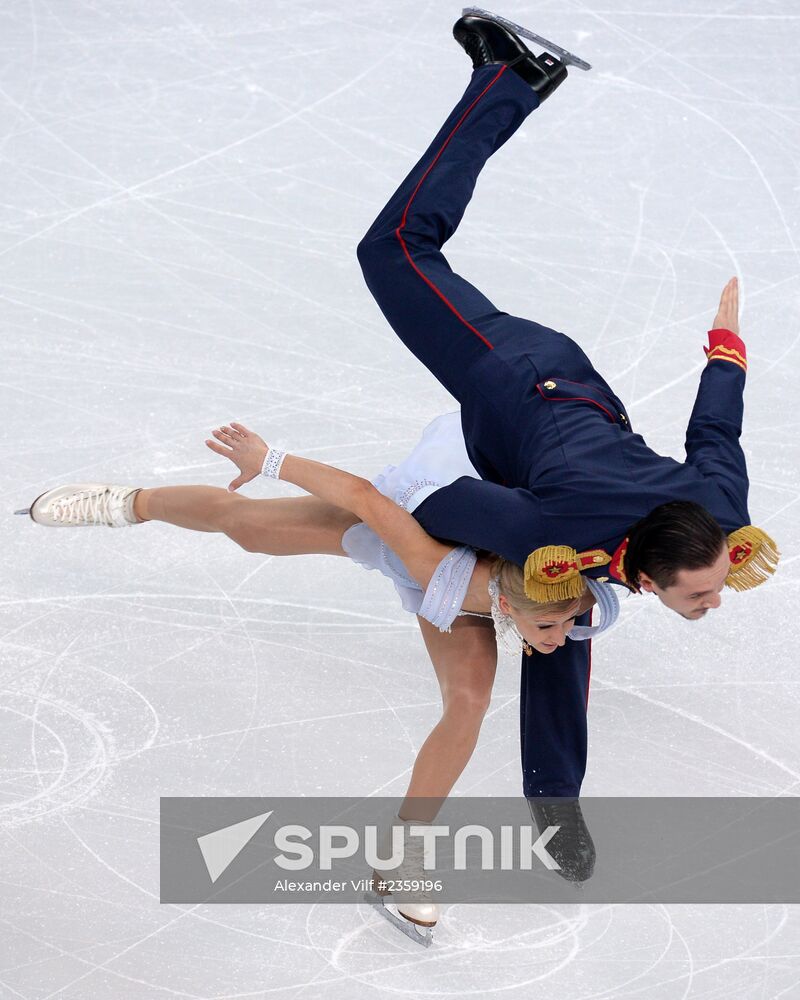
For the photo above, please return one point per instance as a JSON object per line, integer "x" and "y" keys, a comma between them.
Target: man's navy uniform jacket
{"x": 594, "y": 478}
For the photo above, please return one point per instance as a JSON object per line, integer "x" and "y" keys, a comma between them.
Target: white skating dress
{"x": 439, "y": 459}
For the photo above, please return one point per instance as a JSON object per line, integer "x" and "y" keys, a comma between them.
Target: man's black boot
{"x": 572, "y": 847}
{"x": 487, "y": 42}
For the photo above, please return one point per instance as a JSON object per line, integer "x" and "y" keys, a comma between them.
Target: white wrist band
{"x": 272, "y": 463}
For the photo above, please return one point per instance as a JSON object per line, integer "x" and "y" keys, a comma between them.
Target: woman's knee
{"x": 251, "y": 542}
{"x": 468, "y": 702}
{"x": 241, "y": 527}
{"x": 289, "y": 526}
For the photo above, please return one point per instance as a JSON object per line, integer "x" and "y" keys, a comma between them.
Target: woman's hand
{"x": 244, "y": 448}
{"x": 727, "y": 317}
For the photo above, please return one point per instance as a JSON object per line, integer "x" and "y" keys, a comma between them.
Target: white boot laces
{"x": 412, "y": 864}
{"x": 91, "y": 508}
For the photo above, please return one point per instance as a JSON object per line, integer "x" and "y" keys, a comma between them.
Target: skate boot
{"x": 572, "y": 847}
{"x": 418, "y": 913}
{"x": 486, "y": 42}
{"x": 79, "y": 505}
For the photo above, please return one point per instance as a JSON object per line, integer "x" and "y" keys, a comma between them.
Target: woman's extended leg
{"x": 465, "y": 661}
{"x": 282, "y": 527}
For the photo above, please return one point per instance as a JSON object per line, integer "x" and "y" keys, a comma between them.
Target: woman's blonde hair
{"x": 511, "y": 581}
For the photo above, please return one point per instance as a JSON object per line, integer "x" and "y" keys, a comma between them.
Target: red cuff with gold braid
{"x": 725, "y": 345}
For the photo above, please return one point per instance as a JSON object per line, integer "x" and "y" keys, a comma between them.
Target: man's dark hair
{"x": 674, "y": 536}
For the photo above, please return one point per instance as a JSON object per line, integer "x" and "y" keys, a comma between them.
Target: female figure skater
{"x": 463, "y": 599}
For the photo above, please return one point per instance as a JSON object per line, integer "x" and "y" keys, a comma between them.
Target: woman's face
{"x": 544, "y": 631}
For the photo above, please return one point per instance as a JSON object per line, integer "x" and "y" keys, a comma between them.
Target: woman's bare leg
{"x": 283, "y": 526}
{"x": 465, "y": 661}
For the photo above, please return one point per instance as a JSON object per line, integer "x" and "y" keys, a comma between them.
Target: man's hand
{"x": 244, "y": 448}
{"x": 727, "y": 317}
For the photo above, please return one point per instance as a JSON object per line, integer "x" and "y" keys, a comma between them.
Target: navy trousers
{"x": 454, "y": 329}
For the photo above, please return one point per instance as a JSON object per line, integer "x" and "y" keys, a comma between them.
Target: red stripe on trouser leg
{"x": 443, "y": 297}
{"x": 399, "y": 230}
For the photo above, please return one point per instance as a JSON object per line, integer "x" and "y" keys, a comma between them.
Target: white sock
{"x": 128, "y": 511}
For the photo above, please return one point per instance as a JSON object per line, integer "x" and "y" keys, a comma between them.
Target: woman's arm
{"x": 477, "y": 595}
{"x": 419, "y": 553}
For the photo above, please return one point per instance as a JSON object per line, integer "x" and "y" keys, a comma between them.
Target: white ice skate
{"x": 412, "y": 911}
{"x": 79, "y": 505}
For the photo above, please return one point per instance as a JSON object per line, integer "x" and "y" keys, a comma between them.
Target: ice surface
{"x": 183, "y": 188}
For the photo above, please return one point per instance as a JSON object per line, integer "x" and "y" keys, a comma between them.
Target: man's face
{"x": 695, "y": 591}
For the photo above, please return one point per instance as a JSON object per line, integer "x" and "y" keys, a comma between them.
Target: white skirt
{"x": 439, "y": 458}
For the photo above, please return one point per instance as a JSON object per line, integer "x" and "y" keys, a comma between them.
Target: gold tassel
{"x": 551, "y": 574}
{"x": 754, "y": 558}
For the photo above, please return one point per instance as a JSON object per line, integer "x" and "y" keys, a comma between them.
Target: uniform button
{"x": 602, "y": 579}
{"x": 598, "y": 559}
{"x": 550, "y": 384}
{"x": 623, "y": 418}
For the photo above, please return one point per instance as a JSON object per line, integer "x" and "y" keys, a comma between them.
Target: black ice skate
{"x": 572, "y": 847}
{"x": 564, "y": 56}
{"x": 488, "y": 39}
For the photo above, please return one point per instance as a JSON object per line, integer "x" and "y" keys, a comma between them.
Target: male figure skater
{"x": 567, "y": 487}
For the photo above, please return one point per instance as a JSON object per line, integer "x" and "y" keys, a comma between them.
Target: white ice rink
{"x": 184, "y": 183}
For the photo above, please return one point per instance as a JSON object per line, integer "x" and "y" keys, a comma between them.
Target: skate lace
{"x": 569, "y": 817}
{"x": 93, "y": 507}
{"x": 566, "y": 813}
{"x": 477, "y": 49}
{"x": 413, "y": 856}
{"x": 411, "y": 866}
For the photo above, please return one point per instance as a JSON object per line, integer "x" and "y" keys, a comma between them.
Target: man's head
{"x": 680, "y": 553}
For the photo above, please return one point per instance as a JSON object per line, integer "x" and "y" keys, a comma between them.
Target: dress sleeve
{"x": 448, "y": 587}
{"x": 712, "y": 436}
{"x": 483, "y": 515}
{"x": 607, "y": 602}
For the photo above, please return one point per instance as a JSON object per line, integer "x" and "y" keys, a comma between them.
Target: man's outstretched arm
{"x": 712, "y": 436}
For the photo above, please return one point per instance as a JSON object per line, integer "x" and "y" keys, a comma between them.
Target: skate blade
{"x": 27, "y": 510}
{"x": 422, "y": 935}
{"x": 566, "y": 57}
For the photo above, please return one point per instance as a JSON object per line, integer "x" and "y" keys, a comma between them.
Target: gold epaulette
{"x": 754, "y": 558}
{"x": 553, "y": 573}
